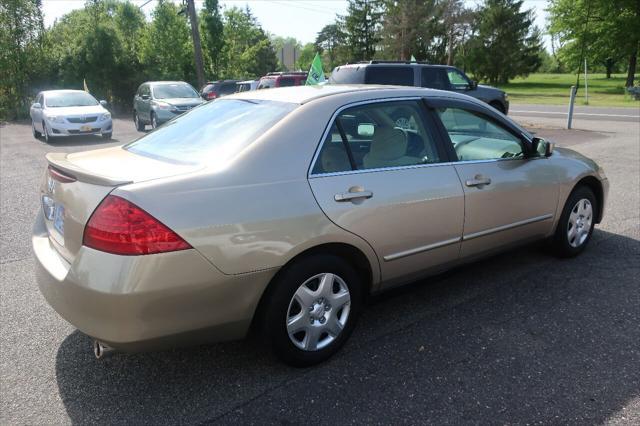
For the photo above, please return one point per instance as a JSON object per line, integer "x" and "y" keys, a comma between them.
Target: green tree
{"x": 212, "y": 37}
{"x": 248, "y": 51}
{"x": 21, "y": 36}
{"x": 505, "y": 43}
{"x": 307, "y": 53}
{"x": 166, "y": 48}
{"x": 362, "y": 27}
{"x": 602, "y": 31}
{"x": 331, "y": 42}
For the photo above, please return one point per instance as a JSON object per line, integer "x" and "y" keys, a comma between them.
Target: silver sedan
{"x": 57, "y": 113}
{"x": 282, "y": 210}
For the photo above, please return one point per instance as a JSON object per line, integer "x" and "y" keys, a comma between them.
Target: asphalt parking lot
{"x": 519, "y": 338}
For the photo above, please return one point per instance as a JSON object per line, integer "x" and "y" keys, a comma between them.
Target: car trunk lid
{"x": 75, "y": 184}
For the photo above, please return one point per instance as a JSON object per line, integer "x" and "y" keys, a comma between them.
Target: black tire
{"x": 276, "y": 306}
{"x": 497, "y": 105}
{"x": 36, "y": 134}
{"x": 562, "y": 244}
{"x": 47, "y": 139}
{"x": 140, "y": 126}
{"x": 107, "y": 136}
{"x": 154, "y": 121}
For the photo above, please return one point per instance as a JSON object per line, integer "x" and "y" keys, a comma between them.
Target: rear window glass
{"x": 400, "y": 76}
{"x": 347, "y": 75}
{"x": 213, "y": 133}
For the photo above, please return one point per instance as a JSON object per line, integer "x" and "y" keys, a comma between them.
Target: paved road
{"x": 580, "y": 113}
{"x": 518, "y": 338}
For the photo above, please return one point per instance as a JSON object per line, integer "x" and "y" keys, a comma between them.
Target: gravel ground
{"x": 519, "y": 338}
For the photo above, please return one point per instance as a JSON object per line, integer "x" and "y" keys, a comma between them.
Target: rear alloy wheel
{"x": 36, "y": 134}
{"x": 311, "y": 309}
{"x": 576, "y": 223}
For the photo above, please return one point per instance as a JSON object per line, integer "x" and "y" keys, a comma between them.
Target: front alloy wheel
{"x": 576, "y": 222}
{"x": 154, "y": 121}
{"x": 580, "y": 221}
{"x": 318, "y": 312}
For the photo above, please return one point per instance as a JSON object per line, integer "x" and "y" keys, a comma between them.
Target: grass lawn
{"x": 553, "y": 89}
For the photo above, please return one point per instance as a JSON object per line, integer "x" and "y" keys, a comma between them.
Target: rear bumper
{"x": 137, "y": 303}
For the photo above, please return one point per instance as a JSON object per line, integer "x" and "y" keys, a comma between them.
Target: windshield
{"x": 69, "y": 99}
{"x": 212, "y": 133}
{"x": 177, "y": 90}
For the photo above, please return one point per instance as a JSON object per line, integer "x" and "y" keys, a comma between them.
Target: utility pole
{"x": 197, "y": 46}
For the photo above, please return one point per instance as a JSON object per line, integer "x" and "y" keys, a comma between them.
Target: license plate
{"x": 85, "y": 128}
{"x": 58, "y": 219}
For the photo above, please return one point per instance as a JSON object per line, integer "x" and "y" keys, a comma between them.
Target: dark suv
{"x": 420, "y": 74}
{"x": 215, "y": 89}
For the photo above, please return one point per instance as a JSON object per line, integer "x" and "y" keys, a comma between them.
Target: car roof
{"x": 157, "y": 83}
{"x": 393, "y": 64}
{"x": 50, "y": 92}
{"x": 305, "y": 94}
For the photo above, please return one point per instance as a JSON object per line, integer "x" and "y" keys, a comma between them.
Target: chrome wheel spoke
{"x": 325, "y": 287}
{"x": 333, "y": 326}
{"x": 304, "y": 296}
{"x": 298, "y": 323}
{"x": 311, "y": 338}
{"x": 338, "y": 300}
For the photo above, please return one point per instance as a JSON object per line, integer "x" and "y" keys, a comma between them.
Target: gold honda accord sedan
{"x": 281, "y": 210}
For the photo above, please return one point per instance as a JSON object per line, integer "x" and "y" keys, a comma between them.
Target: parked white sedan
{"x": 69, "y": 113}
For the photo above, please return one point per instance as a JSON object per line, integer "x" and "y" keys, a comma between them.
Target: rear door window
{"x": 378, "y": 135}
{"x": 287, "y": 81}
{"x": 399, "y": 76}
{"x": 227, "y": 88}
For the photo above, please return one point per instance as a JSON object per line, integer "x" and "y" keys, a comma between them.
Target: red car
{"x": 282, "y": 79}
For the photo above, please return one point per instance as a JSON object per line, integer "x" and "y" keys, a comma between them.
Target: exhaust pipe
{"x": 101, "y": 350}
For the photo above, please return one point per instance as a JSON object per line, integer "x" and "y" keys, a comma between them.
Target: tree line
{"x": 112, "y": 46}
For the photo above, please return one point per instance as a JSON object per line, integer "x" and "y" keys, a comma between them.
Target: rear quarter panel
{"x": 259, "y": 212}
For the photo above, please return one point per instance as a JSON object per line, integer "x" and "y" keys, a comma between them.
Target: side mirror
{"x": 542, "y": 147}
{"x": 473, "y": 85}
{"x": 104, "y": 103}
{"x": 36, "y": 105}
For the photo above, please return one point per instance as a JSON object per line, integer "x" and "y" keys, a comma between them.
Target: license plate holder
{"x": 85, "y": 128}
{"x": 58, "y": 219}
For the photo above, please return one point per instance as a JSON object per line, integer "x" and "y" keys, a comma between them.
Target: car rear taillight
{"x": 120, "y": 227}
{"x": 212, "y": 95}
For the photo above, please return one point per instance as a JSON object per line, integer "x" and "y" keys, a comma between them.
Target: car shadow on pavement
{"x": 521, "y": 337}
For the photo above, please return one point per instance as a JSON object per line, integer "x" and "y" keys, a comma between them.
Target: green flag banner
{"x": 316, "y": 74}
{"x": 413, "y": 59}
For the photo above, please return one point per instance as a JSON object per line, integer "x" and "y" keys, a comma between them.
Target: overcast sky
{"x": 301, "y": 19}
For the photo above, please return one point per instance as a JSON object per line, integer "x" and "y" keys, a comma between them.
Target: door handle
{"x": 478, "y": 180}
{"x": 350, "y": 196}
